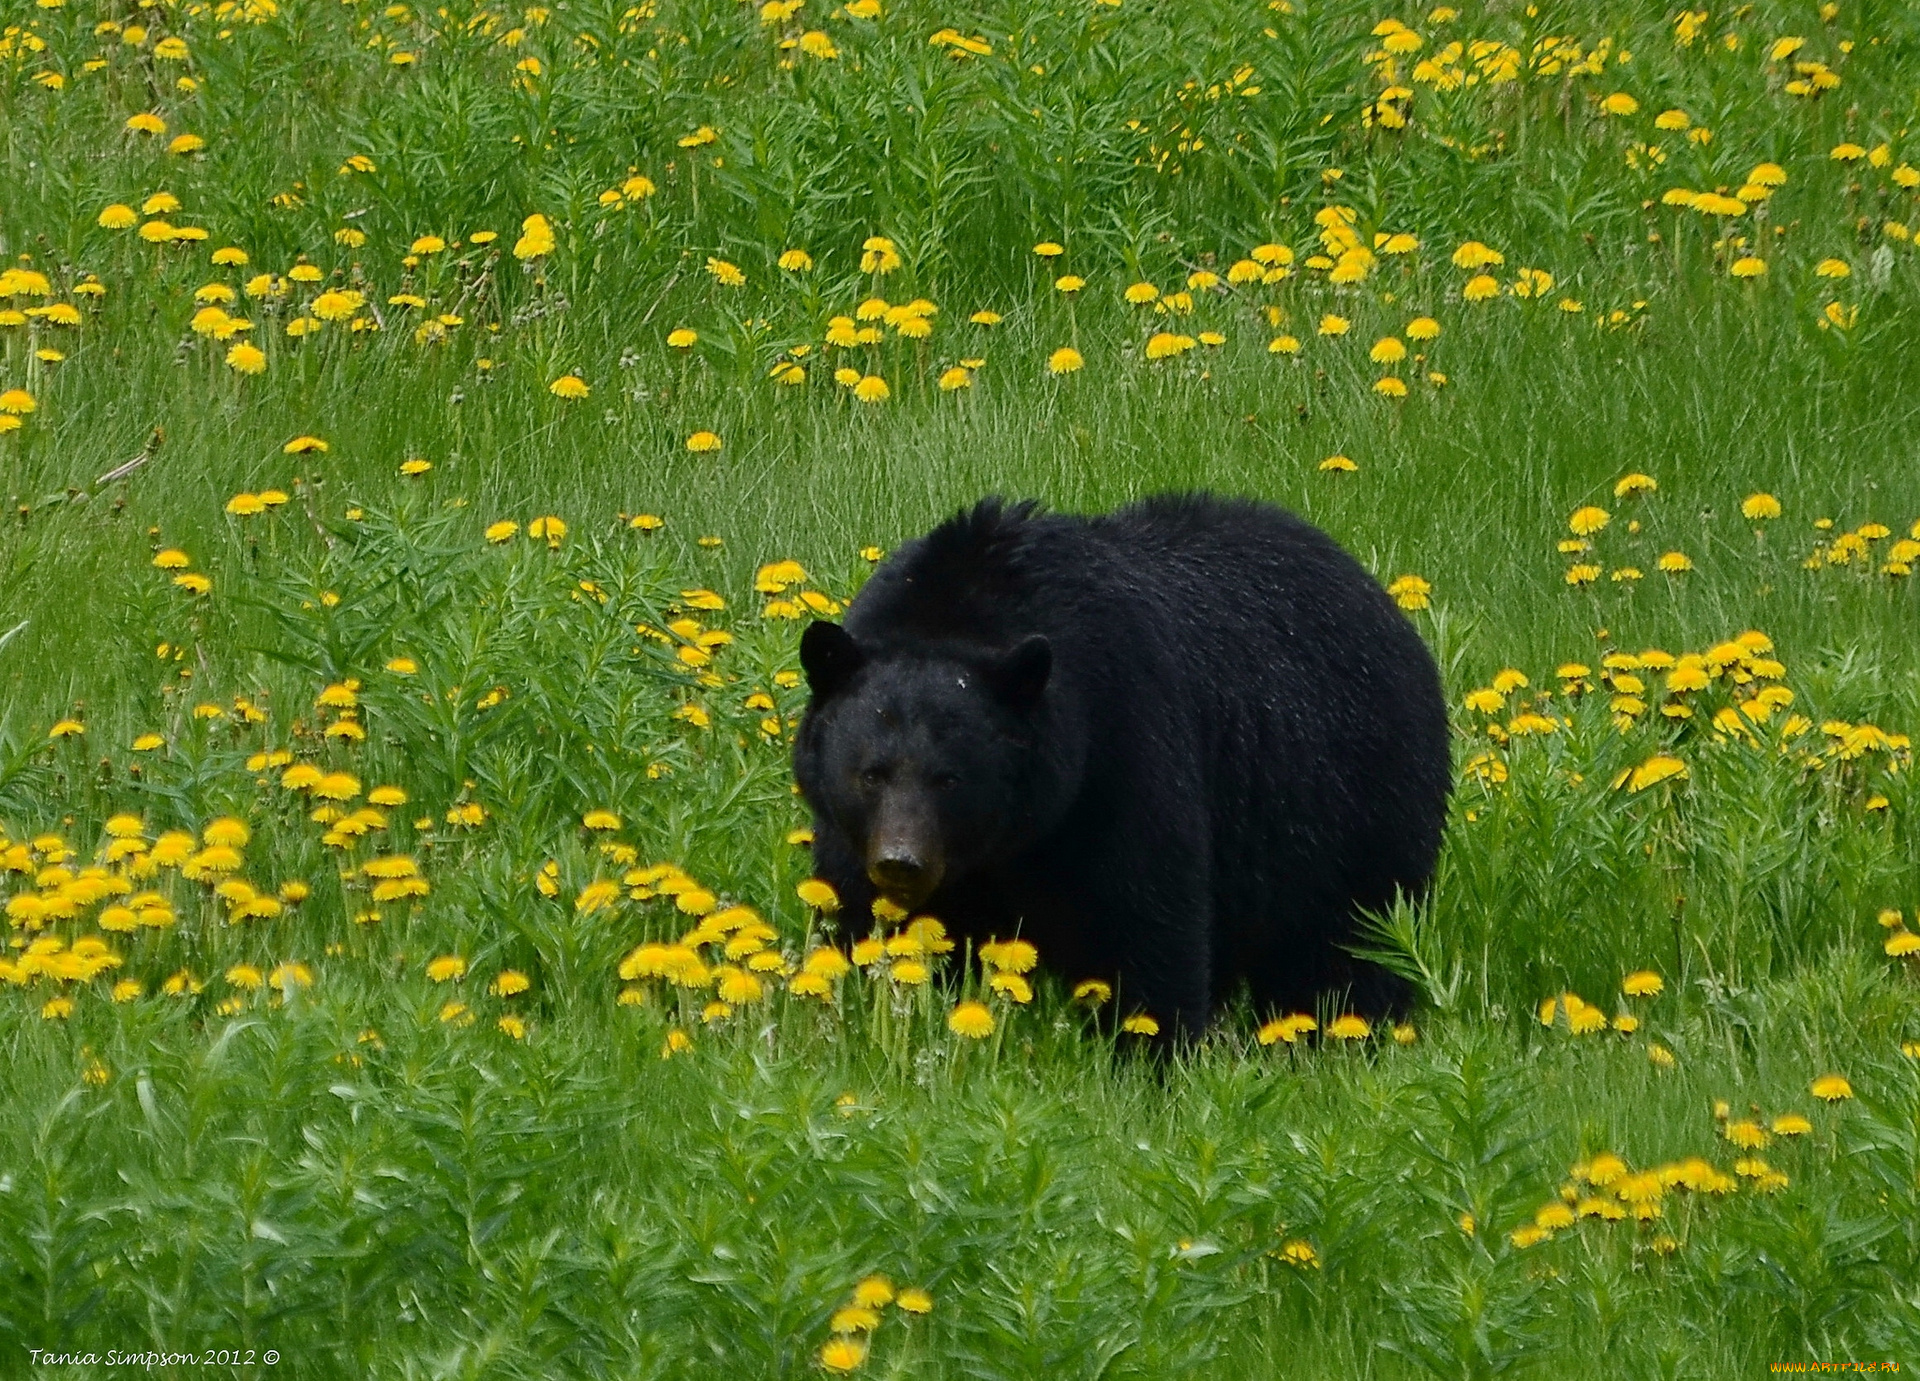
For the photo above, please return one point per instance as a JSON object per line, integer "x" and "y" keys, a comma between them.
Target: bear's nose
{"x": 897, "y": 870}
{"x": 903, "y": 874}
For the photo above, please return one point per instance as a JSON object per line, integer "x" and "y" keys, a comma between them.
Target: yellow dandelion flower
{"x": 246, "y": 359}
{"x": 446, "y": 968}
{"x": 1589, "y": 520}
{"x": 855, "y": 1318}
{"x": 1656, "y": 769}
{"x": 536, "y": 238}
{"x": 227, "y": 832}
{"x": 1480, "y": 288}
{"x": 1010, "y": 984}
{"x": 1410, "y": 592}
{"x": 914, "y": 1300}
{"x": 1388, "y": 350}
{"x": 1009, "y": 956}
{"x": 569, "y": 386}
{"x": 971, "y": 1019}
{"x": 843, "y": 1354}
{"x": 1831, "y": 1088}
{"x": 819, "y": 894}
{"x": 1300, "y": 1254}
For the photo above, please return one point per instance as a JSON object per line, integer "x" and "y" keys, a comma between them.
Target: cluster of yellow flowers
{"x": 508, "y": 983}
{"x": 855, "y": 1322}
{"x": 1570, "y": 1011}
{"x": 906, "y": 959}
{"x": 1900, "y": 943}
{"x": 1577, "y": 1015}
{"x": 127, "y": 858}
{"x": 131, "y": 884}
{"x": 1605, "y": 1187}
{"x": 1744, "y": 668}
{"x": 781, "y": 581}
{"x": 1856, "y": 549}
{"x": 1743, "y": 662}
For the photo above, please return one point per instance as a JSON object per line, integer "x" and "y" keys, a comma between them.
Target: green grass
{"x": 370, "y": 1181}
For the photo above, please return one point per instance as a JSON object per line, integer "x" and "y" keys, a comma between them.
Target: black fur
{"x": 1176, "y": 746}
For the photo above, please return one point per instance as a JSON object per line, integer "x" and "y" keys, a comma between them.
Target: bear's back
{"x": 1197, "y": 574}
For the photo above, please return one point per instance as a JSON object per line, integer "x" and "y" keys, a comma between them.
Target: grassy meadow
{"x": 425, "y": 432}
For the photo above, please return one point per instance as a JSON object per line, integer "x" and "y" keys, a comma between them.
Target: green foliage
{"x": 291, "y": 1133}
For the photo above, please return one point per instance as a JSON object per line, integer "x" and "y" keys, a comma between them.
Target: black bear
{"x": 1175, "y": 747}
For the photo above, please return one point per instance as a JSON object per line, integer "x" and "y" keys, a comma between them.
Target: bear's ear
{"x": 1020, "y": 674}
{"x": 830, "y": 657}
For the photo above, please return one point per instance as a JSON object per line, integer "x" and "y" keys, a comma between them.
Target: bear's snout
{"x": 903, "y": 876}
{"x": 903, "y": 856}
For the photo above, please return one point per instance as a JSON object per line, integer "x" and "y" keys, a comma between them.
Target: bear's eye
{"x": 873, "y": 776}
{"x": 946, "y": 781}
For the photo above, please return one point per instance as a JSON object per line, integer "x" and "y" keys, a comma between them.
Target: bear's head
{"x": 928, "y": 761}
